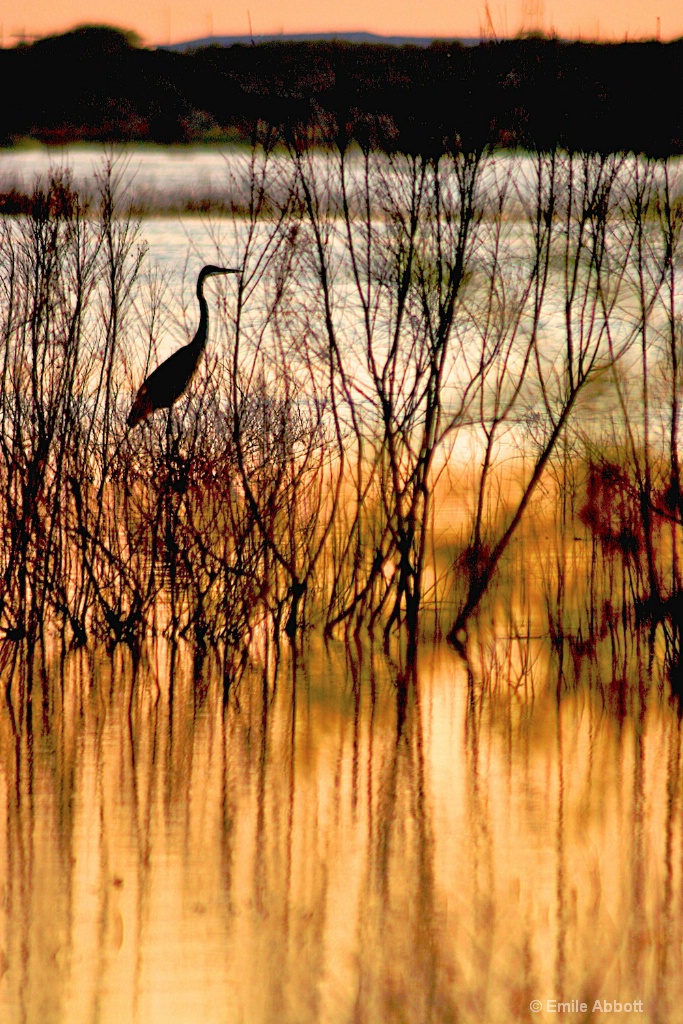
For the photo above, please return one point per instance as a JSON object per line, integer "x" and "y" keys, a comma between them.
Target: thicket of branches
{"x": 403, "y": 327}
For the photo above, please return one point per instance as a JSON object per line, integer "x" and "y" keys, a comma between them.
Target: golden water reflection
{"x": 335, "y": 841}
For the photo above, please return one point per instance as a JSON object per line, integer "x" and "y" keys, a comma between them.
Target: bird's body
{"x": 165, "y": 385}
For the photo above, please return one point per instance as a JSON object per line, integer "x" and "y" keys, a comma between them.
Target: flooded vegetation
{"x": 349, "y": 689}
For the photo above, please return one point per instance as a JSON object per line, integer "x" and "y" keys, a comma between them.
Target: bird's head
{"x": 211, "y": 271}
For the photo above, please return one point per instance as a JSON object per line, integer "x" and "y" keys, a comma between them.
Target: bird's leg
{"x": 169, "y": 515}
{"x": 167, "y": 454}
{"x": 169, "y": 431}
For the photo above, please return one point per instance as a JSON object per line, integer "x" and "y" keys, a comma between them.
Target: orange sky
{"x": 175, "y": 20}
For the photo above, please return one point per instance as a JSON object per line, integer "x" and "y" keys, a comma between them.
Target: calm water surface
{"x": 334, "y": 841}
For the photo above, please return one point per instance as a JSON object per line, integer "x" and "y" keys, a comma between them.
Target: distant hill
{"x": 317, "y": 37}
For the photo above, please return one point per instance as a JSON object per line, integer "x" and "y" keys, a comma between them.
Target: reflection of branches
{"x": 402, "y": 849}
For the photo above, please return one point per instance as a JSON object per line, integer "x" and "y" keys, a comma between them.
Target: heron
{"x": 166, "y": 384}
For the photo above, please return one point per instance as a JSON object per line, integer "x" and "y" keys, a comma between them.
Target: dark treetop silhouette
{"x": 165, "y": 385}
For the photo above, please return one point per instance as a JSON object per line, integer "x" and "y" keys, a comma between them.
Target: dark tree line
{"x": 536, "y": 93}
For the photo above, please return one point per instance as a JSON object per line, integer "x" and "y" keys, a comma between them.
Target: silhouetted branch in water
{"x": 573, "y": 208}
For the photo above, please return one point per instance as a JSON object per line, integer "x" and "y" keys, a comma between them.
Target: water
{"x": 327, "y": 838}
{"x": 149, "y": 171}
{"x": 327, "y": 845}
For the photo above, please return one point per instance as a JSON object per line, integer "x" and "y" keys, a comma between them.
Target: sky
{"x": 178, "y": 20}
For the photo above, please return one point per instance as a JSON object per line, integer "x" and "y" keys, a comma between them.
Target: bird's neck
{"x": 202, "y": 331}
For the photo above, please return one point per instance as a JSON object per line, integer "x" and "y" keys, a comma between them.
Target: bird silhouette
{"x": 165, "y": 385}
